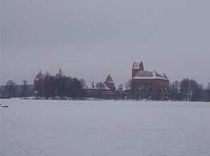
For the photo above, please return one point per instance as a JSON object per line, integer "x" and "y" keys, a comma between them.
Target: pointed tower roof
{"x": 141, "y": 66}
{"x": 109, "y": 79}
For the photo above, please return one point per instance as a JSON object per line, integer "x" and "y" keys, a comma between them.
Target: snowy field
{"x": 104, "y": 128}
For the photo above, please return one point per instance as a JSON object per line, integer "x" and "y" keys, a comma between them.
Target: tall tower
{"x": 141, "y": 66}
{"x": 137, "y": 67}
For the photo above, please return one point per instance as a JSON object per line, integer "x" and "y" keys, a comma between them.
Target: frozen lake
{"x": 104, "y": 128}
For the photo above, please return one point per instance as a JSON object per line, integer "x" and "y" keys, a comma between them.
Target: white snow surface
{"x": 104, "y": 128}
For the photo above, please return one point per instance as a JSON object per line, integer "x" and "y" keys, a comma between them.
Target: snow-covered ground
{"x": 104, "y": 128}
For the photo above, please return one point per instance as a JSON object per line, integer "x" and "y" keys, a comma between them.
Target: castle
{"x": 144, "y": 85}
{"x": 105, "y": 90}
{"x": 49, "y": 84}
{"x": 148, "y": 84}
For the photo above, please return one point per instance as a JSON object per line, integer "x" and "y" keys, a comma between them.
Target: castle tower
{"x": 137, "y": 67}
{"x": 141, "y": 66}
{"x": 110, "y": 83}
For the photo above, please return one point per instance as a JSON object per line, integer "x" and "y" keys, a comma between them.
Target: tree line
{"x": 73, "y": 88}
{"x": 54, "y": 87}
{"x": 184, "y": 90}
{"x": 189, "y": 90}
{"x": 49, "y": 87}
{"x": 12, "y": 89}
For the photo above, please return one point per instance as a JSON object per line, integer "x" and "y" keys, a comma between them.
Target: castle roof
{"x": 144, "y": 74}
{"x": 150, "y": 75}
{"x": 104, "y": 87}
{"x": 100, "y": 86}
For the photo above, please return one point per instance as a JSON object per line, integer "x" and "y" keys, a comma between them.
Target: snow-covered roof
{"x": 102, "y": 86}
{"x": 149, "y": 78}
{"x": 149, "y": 75}
{"x": 144, "y": 74}
{"x": 106, "y": 87}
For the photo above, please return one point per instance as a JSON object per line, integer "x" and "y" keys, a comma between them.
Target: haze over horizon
{"x": 91, "y": 38}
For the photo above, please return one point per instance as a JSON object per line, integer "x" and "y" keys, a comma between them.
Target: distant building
{"x": 105, "y": 90}
{"x": 148, "y": 84}
{"x": 110, "y": 83}
{"x": 143, "y": 85}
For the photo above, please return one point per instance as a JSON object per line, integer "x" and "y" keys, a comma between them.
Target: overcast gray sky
{"x": 91, "y": 38}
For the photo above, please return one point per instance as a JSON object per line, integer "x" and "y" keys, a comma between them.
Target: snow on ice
{"x": 104, "y": 128}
